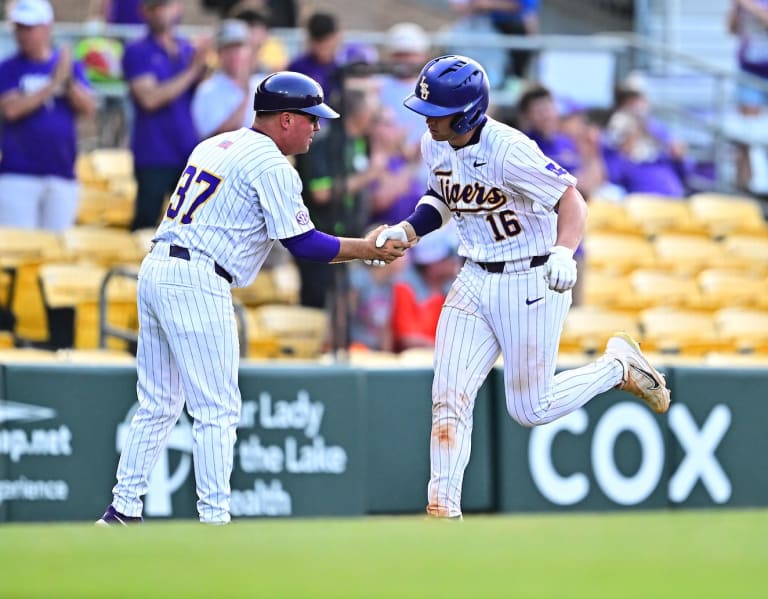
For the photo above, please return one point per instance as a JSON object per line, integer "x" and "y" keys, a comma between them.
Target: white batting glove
{"x": 375, "y": 262}
{"x": 561, "y": 269}
{"x": 397, "y": 232}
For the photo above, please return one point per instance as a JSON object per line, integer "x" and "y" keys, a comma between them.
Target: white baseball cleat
{"x": 640, "y": 378}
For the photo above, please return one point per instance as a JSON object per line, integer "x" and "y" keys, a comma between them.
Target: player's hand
{"x": 391, "y": 241}
{"x": 396, "y": 232}
{"x": 561, "y": 269}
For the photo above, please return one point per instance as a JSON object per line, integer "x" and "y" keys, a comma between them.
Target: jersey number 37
{"x": 206, "y": 185}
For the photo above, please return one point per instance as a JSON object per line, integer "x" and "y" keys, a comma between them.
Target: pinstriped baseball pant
{"x": 188, "y": 352}
{"x": 516, "y": 315}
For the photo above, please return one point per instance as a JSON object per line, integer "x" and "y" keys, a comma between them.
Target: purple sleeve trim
{"x": 313, "y": 245}
{"x": 425, "y": 219}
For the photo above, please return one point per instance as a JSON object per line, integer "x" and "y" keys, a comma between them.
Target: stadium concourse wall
{"x": 345, "y": 441}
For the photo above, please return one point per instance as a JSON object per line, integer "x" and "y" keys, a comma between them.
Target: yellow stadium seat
{"x": 588, "y": 328}
{"x": 21, "y": 253}
{"x": 688, "y": 254}
{"x": 101, "y": 245}
{"x": 616, "y": 253}
{"x": 28, "y": 245}
{"x": 608, "y": 217}
{"x": 652, "y": 287}
{"x": 604, "y": 289}
{"x": 6, "y": 340}
{"x": 78, "y": 287}
{"x": 680, "y": 330}
{"x": 276, "y": 285}
{"x": 143, "y": 239}
{"x": 111, "y": 163}
{"x": 745, "y": 329}
{"x": 726, "y": 214}
{"x": 653, "y": 214}
{"x": 748, "y": 252}
{"x": 721, "y": 288}
{"x": 277, "y": 330}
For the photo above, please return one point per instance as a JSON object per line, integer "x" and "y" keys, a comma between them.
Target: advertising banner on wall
{"x": 299, "y": 448}
{"x": 614, "y": 453}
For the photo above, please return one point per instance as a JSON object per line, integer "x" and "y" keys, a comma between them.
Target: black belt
{"x": 498, "y": 267}
{"x": 183, "y": 253}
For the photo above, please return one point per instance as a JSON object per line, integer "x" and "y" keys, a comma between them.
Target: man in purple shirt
{"x": 319, "y": 61}
{"x": 638, "y": 163}
{"x": 42, "y": 91}
{"x": 162, "y": 70}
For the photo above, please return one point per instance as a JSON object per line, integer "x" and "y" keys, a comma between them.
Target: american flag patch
{"x": 224, "y": 144}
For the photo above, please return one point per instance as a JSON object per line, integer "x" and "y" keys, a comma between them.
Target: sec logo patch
{"x": 302, "y": 217}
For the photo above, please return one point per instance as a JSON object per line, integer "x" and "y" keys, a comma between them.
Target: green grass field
{"x": 698, "y": 554}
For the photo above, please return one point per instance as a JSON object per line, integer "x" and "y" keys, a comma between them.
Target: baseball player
{"x": 519, "y": 219}
{"x": 236, "y": 196}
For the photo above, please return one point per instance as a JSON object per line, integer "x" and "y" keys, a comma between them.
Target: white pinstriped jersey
{"x": 501, "y": 191}
{"x": 237, "y": 195}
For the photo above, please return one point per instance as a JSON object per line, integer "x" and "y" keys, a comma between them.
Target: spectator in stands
{"x": 336, "y": 176}
{"x": 577, "y": 150}
{"x": 42, "y": 91}
{"x": 224, "y": 101}
{"x": 638, "y": 163}
{"x": 268, "y": 53}
{"x": 407, "y": 48}
{"x": 319, "y": 61}
{"x": 749, "y": 20}
{"x": 510, "y": 17}
{"x": 420, "y": 292}
{"x": 370, "y": 305}
{"x": 162, "y": 70}
{"x": 394, "y": 195}
{"x": 118, "y": 12}
{"x": 630, "y": 97}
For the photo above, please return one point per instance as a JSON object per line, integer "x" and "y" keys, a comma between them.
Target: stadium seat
{"x": 617, "y": 254}
{"x": 745, "y": 329}
{"x": 727, "y": 214}
{"x": 276, "y": 285}
{"x": 101, "y": 245}
{"x": 26, "y": 355}
{"x": 143, "y": 239}
{"x": 687, "y": 254}
{"x": 6, "y": 340}
{"x": 22, "y": 251}
{"x": 653, "y": 214}
{"x": 652, "y": 287}
{"x": 608, "y": 217}
{"x": 111, "y": 163}
{"x": 721, "y": 288}
{"x": 748, "y": 252}
{"x": 588, "y": 328}
{"x": 679, "y": 330}
{"x": 278, "y": 330}
{"x": 71, "y": 297}
{"x": 604, "y": 289}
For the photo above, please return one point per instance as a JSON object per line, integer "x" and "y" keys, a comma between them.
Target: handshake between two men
{"x": 560, "y": 274}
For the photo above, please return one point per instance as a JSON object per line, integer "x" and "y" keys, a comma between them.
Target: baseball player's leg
{"x": 160, "y": 404}
{"x": 205, "y": 345}
{"x": 465, "y": 351}
{"x": 529, "y": 329}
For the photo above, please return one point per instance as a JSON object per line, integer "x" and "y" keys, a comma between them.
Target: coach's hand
{"x": 392, "y": 240}
{"x": 561, "y": 269}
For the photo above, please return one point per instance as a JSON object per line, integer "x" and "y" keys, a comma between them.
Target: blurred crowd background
{"x": 660, "y": 109}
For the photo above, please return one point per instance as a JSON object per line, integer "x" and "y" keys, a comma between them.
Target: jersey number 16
{"x": 207, "y": 184}
{"x": 504, "y": 224}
